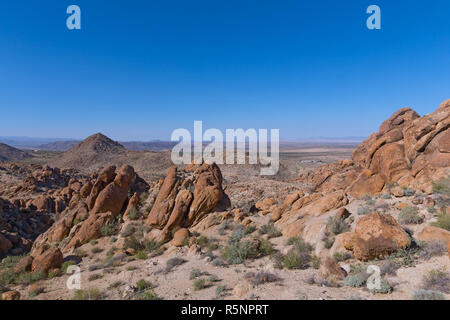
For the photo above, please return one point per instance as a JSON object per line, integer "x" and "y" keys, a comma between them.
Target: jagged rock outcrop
{"x": 79, "y": 223}
{"x": 185, "y": 198}
{"x": 408, "y": 151}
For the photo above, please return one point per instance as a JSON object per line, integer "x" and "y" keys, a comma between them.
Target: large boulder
{"x": 165, "y": 200}
{"x": 113, "y": 196}
{"x": 207, "y": 193}
{"x": 51, "y": 258}
{"x": 377, "y": 235}
{"x": 430, "y": 233}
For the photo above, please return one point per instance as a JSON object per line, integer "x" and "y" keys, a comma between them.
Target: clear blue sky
{"x": 139, "y": 69}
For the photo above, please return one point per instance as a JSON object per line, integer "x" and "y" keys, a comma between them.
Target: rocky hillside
{"x": 8, "y": 153}
{"x": 93, "y": 150}
{"x": 195, "y": 234}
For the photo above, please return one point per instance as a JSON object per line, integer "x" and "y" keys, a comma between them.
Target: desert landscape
{"x": 132, "y": 226}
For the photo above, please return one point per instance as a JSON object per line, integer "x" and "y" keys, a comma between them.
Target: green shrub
{"x": 442, "y": 187}
{"x": 221, "y": 291}
{"x": 108, "y": 230}
{"x": 196, "y": 273}
{"x": 143, "y": 285}
{"x": 141, "y": 254}
{"x": 96, "y": 250}
{"x": 328, "y": 243}
{"x": 199, "y": 284}
{"x": 443, "y": 221}
{"x": 407, "y": 192}
{"x": 133, "y": 214}
{"x": 265, "y": 247}
{"x": 238, "y": 251}
{"x": 410, "y": 215}
{"x": 355, "y": 280}
{"x": 89, "y": 294}
{"x": 385, "y": 288}
{"x": 148, "y": 295}
{"x": 341, "y": 256}
{"x": 336, "y": 226}
{"x": 270, "y": 230}
{"x": 128, "y": 231}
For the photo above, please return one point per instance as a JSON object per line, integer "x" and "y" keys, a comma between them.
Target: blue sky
{"x": 139, "y": 69}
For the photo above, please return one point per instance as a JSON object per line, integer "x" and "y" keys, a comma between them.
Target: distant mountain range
{"x": 62, "y": 144}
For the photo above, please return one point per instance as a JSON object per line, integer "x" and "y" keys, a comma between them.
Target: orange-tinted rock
{"x": 89, "y": 229}
{"x": 113, "y": 196}
{"x": 180, "y": 237}
{"x": 377, "y": 235}
{"x": 430, "y": 233}
{"x": 132, "y": 206}
{"x": 207, "y": 193}
{"x": 47, "y": 260}
{"x": 343, "y": 214}
{"x": 11, "y": 295}
{"x": 162, "y": 208}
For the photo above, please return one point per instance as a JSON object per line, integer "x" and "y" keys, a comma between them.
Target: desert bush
{"x": 128, "y": 231}
{"x": 437, "y": 280}
{"x": 221, "y": 291}
{"x": 141, "y": 255}
{"x": 410, "y": 215}
{"x": 364, "y": 210}
{"x": 328, "y": 242}
{"x": 224, "y": 227}
{"x": 261, "y": 277}
{"x": 336, "y": 225}
{"x": 89, "y": 294}
{"x": 443, "y": 221}
{"x": 355, "y": 280}
{"x": 133, "y": 214}
{"x": 432, "y": 249}
{"x": 148, "y": 295}
{"x": 270, "y": 230}
{"x": 93, "y": 242}
{"x": 341, "y": 256}
{"x": 173, "y": 262}
{"x": 66, "y": 265}
{"x": 300, "y": 256}
{"x": 385, "y": 288}
{"x": 96, "y": 250}
{"x": 142, "y": 285}
{"x": 265, "y": 247}
{"x": 115, "y": 285}
{"x": 95, "y": 276}
{"x": 196, "y": 273}
{"x": 442, "y": 187}
{"x": 238, "y": 251}
{"x": 422, "y": 294}
{"x": 408, "y": 192}
{"x": 218, "y": 262}
{"x": 238, "y": 233}
{"x": 199, "y": 284}
{"x": 108, "y": 230}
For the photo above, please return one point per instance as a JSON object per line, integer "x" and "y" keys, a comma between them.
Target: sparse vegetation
{"x": 337, "y": 226}
{"x": 428, "y": 295}
{"x": 437, "y": 280}
{"x": 199, "y": 284}
{"x": 261, "y": 277}
{"x": 108, "y": 230}
{"x": 270, "y": 230}
{"x": 410, "y": 215}
{"x": 300, "y": 256}
{"x": 89, "y": 294}
{"x": 385, "y": 288}
{"x": 443, "y": 221}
